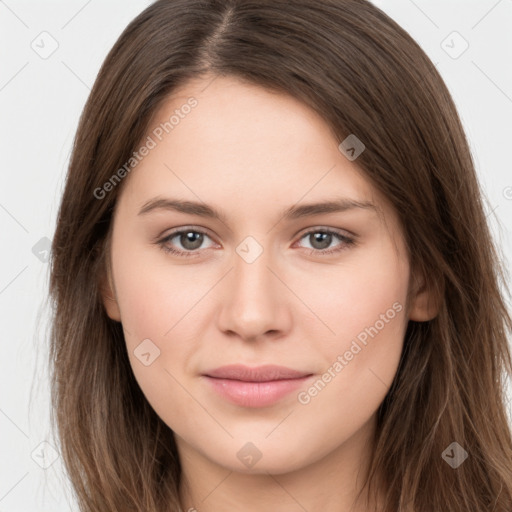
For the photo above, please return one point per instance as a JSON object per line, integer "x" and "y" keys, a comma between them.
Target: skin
{"x": 252, "y": 153}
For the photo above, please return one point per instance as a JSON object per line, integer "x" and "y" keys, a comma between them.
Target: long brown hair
{"x": 364, "y": 75}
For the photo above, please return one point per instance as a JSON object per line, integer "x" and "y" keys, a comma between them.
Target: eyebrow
{"x": 291, "y": 213}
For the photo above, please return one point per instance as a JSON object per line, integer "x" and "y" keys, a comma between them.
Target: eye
{"x": 191, "y": 239}
{"x": 320, "y": 239}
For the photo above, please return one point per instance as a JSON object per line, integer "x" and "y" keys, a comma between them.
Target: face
{"x": 271, "y": 280}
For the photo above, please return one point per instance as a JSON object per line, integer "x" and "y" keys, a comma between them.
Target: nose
{"x": 256, "y": 304}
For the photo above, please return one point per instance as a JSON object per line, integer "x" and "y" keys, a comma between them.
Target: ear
{"x": 425, "y": 298}
{"x": 109, "y": 297}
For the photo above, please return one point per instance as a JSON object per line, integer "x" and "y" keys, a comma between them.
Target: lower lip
{"x": 255, "y": 394}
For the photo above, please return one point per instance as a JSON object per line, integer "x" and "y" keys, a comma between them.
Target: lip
{"x": 255, "y": 387}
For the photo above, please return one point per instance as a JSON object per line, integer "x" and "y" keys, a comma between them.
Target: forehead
{"x": 244, "y": 146}
{"x": 232, "y": 117}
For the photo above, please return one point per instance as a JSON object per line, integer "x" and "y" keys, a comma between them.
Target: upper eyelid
{"x": 184, "y": 229}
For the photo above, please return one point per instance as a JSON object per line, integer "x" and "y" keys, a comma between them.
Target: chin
{"x": 262, "y": 457}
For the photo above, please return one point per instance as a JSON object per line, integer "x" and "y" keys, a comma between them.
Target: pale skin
{"x": 252, "y": 154}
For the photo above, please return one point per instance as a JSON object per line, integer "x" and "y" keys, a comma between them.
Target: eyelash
{"x": 346, "y": 242}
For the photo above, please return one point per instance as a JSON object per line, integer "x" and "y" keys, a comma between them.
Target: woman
{"x": 203, "y": 357}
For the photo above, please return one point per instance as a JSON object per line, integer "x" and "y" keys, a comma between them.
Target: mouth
{"x": 261, "y": 386}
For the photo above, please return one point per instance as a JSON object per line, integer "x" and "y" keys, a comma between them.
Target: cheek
{"x": 160, "y": 309}
{"x": 357, "y": 374}
{"x": 364, "y": 306}
{"x": 154, "y": 297}
{"x": 353, "y": 296}
{"x": 159, "y": 342}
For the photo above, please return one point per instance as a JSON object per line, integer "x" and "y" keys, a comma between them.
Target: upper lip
{"x": 264, "y": 373}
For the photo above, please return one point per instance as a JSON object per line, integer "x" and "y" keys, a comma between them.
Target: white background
{"x": 40, "y": 102}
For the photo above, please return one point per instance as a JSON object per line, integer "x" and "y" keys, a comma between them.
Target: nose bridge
{"x": 252, "y": 280}
{"x": 253, "y": 304}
